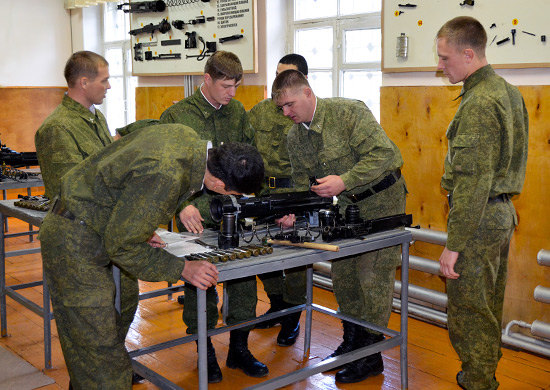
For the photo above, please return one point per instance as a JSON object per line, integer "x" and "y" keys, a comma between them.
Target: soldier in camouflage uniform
{"x": 213, "y": 113}
{"x": 340, "y": 143}
{"x": 484, "y": 167}
{"x": 271, "y": 128}
{"x": 75, "y": 130}
{"x": 110, "y": 205}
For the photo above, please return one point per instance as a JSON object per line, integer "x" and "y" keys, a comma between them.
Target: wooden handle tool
{"x": 310, "y": 245}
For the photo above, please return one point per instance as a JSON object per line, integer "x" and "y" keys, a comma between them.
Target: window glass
{"x": 115, "y": 23}
{"x": 321, "y": 83}
{"x": 114, "y": 103}
{"x": 315, "y": 45}
{"x": 115, "y": 60}
{"x": 365, "y": 86}
{"x": 351, "y": 7}
{"x": 314, "y": 9}
{"x": 363, "y": 46}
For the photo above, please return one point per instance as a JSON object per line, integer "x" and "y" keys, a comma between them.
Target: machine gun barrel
{"x": 266, "y": 206}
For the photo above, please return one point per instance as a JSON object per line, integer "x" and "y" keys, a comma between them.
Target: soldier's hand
{"x": 155, "y": 241}
{"x": 328, "y": 186}
{"x": 200, "y": 274}
{"x": 287, "y": 221}
{"x": 191, "y": 219}
{"x": 447, "y": 262}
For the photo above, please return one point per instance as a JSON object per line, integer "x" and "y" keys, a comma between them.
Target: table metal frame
{"x": 285, "y": 258}
{"x": 34, "y": 217}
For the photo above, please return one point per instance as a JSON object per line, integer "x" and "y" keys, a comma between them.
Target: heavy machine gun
{"x": 16, "y": 159}
{"x": 228, "y": 210}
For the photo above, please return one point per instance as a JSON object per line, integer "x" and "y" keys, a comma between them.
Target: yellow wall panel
{"x": 416, "y": 119}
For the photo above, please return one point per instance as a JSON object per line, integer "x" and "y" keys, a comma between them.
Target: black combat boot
{"x": 277, "y": 303}
{"x": 347, "y": 343}
{"x": 363, "y": 368}
{"x": 214, "y": 372}
{"x": 290, "y": 329}
{"x": 240, "y": 357}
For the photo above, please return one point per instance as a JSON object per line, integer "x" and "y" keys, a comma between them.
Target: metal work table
{"x": 8, "y": 184}
{"x": 33, "y": 217}
{"x": 284, "y": 258}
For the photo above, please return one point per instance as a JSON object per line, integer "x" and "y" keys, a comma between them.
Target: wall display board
{"x": 176, "y": 37}
{"x": 518, "y": 32}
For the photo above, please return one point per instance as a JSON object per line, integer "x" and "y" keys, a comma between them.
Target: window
{"x": 342, "y": 43}
{"x": 119, "y": 105}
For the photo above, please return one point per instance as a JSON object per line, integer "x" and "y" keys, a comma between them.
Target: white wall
{"x": 38, "y": 60}
{"x": 36, "y": 42}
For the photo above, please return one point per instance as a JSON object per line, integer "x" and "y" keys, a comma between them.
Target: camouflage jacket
{"x": 344, "y": 139}
{"x": 125, "y": 191}
{"x": 271, "y": 128}
{"x": 228, "y": 124}
{"x": 487, "y": 152}
{"x": 69, "y": 135}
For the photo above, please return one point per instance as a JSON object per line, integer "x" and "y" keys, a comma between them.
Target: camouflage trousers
{"x": 291, "y": 284}
{"x": 92, "y": 333}
{"x": 476, "y": 298}
{"x": 241, "y": 295}
{"x": 363, "y": 285}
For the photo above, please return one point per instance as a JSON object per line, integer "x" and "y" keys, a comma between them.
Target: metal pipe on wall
{"x": 542, "y": 294}
{"x": 543, "y": 258}
{"x": 429, "y": 235}
{"x": 424, "y": 294}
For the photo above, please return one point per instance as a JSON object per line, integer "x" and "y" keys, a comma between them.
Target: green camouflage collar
{"x": 479, "y": 75}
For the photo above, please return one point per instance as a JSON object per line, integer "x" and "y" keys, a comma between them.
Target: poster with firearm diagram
{"x": 176, "y": 37}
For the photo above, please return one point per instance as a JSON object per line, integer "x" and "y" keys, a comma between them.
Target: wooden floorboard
{"x": 432, "y": 362}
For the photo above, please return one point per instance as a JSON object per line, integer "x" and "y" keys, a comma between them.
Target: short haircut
{"x": 289, "y": 79}
{"x": 296, "y": 60}
{"x": 465, "y": 32}
{"x": 83, "y": 64}
{"x": 239, "y": 166}
{"x": 224, "y": 65}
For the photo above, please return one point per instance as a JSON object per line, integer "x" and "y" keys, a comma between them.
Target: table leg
{"x": 116, "y": 277}
{"x": 202, "y": 334}
{"x": 309, "y": 302}
{"x": 5, "y": 223}
{"x": 31, "y": 236}
{"x": 404, "y": 313}
{"x": 3, "y": 311}
{"x": 47, "y": 317}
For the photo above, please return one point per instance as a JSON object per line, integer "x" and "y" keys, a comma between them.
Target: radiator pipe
{"x": 543, "y": 258}
{"x": 542, "y": 294}
{"x": 429, "y": 235}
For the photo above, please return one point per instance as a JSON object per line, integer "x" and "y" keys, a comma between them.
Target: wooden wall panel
{"x": 416, "y": 119}
{"x": 22, "y": 111}
{"x": 152, "y": 101}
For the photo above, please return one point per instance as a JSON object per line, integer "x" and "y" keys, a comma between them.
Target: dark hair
{"x": 239, "y": 166}
{"x": 83, "y": 64}
{"x": 224, "y": 65}
{"x": 288, "y": 79}
{"x": 465, "y": 32}
{"x": 296, "y": 60}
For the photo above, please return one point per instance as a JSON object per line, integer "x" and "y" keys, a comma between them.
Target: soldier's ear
{"x": 469, "y": 55}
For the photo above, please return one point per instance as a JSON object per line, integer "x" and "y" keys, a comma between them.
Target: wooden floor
{"x": 432, "y": 361}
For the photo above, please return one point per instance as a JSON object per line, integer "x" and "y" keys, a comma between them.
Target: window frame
{"x": 339, "y": 24}
{"x": 125, "y": 46}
